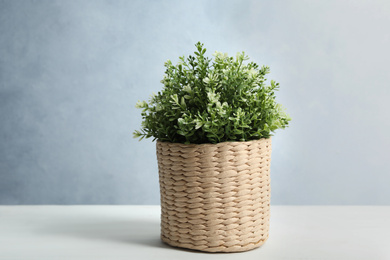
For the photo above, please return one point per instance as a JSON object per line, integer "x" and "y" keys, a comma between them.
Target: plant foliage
{"x": 212, "y": 100}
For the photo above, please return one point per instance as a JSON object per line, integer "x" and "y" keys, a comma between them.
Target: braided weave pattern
{"x": 215, "y": 197}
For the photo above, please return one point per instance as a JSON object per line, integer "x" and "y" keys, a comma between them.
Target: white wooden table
{"x": 132, "y": 232}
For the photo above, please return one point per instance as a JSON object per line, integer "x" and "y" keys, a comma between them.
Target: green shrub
{"x": 212, "y": 101}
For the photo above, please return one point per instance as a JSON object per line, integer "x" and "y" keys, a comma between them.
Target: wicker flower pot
{"x": 215, "y": 197}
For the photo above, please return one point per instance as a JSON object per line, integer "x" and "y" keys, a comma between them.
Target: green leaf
{"x": 206, "y": 100}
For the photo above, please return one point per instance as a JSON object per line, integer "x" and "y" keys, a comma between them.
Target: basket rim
{"x": 220, "y": 143}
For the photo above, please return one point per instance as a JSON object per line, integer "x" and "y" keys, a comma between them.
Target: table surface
{"x": 132, "y": 232}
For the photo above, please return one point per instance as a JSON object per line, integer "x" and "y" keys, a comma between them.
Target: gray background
{"x": 72, "y": 71}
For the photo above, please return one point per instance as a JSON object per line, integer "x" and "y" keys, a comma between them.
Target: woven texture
{"x": 215, "y": 197}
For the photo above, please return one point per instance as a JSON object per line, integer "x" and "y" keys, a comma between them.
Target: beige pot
{"x": 215, "y": 197}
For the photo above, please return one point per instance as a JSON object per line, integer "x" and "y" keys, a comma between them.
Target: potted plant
{"x": 213, "y": 122}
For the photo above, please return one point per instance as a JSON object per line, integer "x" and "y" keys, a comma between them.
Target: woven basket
{"x": 215, "y": 197}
